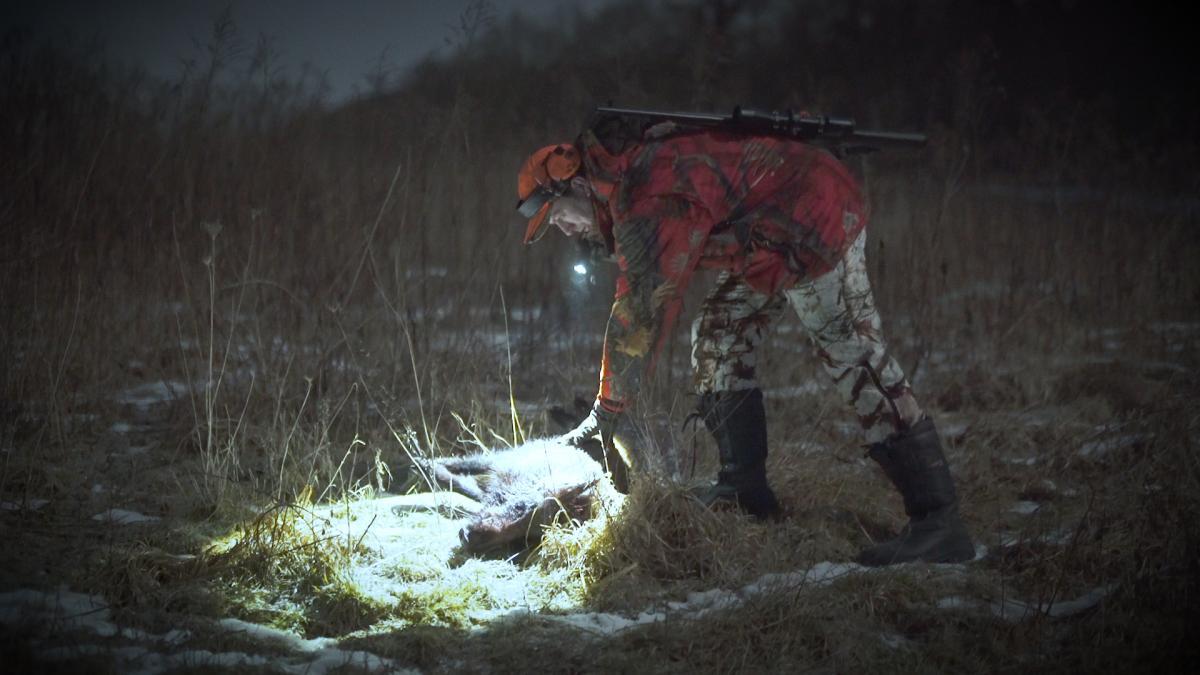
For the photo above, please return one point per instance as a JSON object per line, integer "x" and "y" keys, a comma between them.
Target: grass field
{"x": 231, "y": 316}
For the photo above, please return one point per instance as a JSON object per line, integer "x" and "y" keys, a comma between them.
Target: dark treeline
{"x": 1061, "y": 160}
{"x": 1074, "y": 94}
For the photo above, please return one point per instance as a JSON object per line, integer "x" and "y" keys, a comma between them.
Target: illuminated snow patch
{"x": 410, "y": 540}
{"x": 445, "y": 502}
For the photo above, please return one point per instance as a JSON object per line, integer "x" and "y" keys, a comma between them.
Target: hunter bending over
{"x": 784, "y": 222}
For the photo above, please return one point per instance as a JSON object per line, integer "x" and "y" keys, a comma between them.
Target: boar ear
{"x": 575, "y": 490}
{"x": 566, "y": 500}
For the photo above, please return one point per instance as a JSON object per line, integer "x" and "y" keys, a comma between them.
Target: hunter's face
{"x": 572, "y": 213}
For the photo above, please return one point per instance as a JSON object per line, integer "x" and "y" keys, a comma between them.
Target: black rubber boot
{"x": 914, "y": 462}
{"x": 738, "y": 422}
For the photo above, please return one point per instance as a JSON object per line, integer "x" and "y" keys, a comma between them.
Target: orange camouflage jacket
{"x": 773, "y": 210}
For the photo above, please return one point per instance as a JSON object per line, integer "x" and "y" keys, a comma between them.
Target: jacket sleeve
{"x": 658, "y": 245}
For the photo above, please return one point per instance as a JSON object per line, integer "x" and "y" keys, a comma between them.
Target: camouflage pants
{"x": 838, "y": 312}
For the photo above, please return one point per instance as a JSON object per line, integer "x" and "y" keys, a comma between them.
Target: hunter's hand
{"x": 597, "y": 425}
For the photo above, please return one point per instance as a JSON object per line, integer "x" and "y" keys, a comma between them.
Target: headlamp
{"x": 529, "y": 206}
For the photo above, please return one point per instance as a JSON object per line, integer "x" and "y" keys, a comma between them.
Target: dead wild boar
{"x": 521, "y": 490}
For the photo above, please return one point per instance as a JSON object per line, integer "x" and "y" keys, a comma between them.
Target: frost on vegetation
{"x": 444, "y": 502}
{"x": 352, "y": 565}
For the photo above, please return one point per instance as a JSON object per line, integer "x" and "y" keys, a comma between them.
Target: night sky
{"x": 346, "y": 40}
{"x": 1045, "y": 48}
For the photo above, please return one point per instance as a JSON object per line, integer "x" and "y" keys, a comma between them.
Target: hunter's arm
{"x": 657, "y": 249}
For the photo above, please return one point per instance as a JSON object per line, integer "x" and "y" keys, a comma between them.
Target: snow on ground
{"x": 388, "y": 526}
{"x": 31, "y": 504}
{"x": 822, "y": 574}
{"x": 1021, "y": 461}
{"x": 444, "y": 502}
{"x": 807, "y": 388}
{"x": 1059, "y": 537}
{"x": 986, "y": 290}
{"x": 1025, "y": 508}
{"x": 124, "y": 517}
{"x": 1014, "y": 610}
{"x": 1099, "y": 447}
{"x": 152, "y": 393}
{"x": 57, "y": 613}
{"x": 123, "y": 428}
{"x": 700, "y": 603}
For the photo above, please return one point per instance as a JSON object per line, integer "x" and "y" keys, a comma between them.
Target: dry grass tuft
{"x": 291, "y": 567}
{"x": 670, "y": 536}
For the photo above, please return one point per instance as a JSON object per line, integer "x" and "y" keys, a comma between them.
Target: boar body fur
{"x": 520, "y": 489}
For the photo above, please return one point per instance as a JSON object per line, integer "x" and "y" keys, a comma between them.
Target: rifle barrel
{"x": 829, "y": 130}
{"x": 694, "y": 118}
{"x": 891, "y": 137}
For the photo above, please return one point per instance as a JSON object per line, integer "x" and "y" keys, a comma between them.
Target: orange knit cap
{"x": 543, "y": 177}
